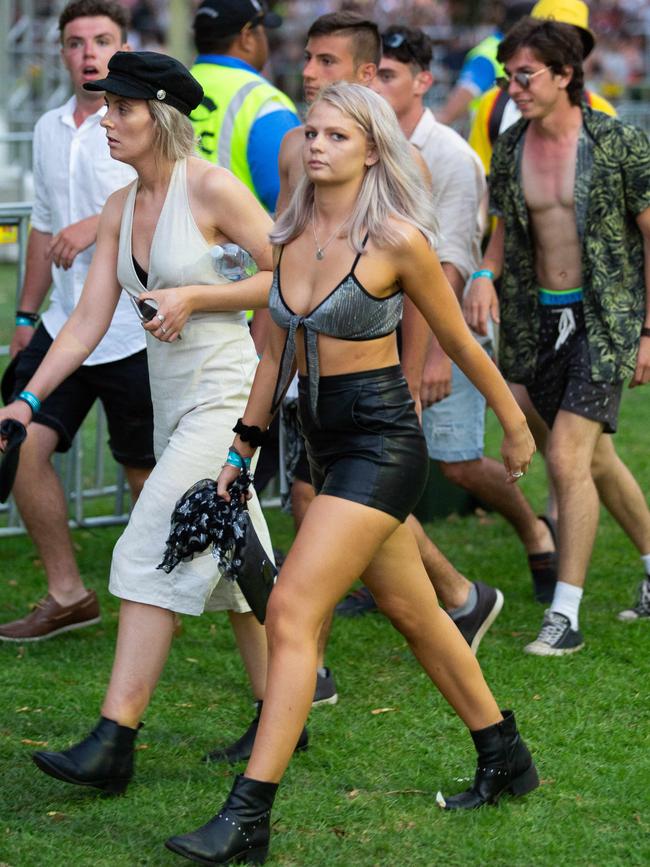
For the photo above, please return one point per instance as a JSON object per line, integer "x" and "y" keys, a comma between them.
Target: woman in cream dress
{"x": 155, "y": 236}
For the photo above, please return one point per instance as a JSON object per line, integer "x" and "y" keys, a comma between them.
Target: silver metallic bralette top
{"x": 349, "y": 312}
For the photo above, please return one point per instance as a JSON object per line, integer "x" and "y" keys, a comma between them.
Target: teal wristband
{"x": 237, "y": 460}
{"x": 483, "y": 272}
{"x": 23, "y": 320}
{"x": 31, "y": 400}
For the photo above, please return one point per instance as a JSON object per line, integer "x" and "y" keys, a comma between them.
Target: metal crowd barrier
{"x": 80, "y": 493}
{"x": 70, "y": 466}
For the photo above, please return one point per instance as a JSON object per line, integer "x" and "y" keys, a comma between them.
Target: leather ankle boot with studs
{"x": 504, "y": 766}
{"x": 103, "y": 760}
{"x": 242, "y": 748}
{"x": 239, "y": 834}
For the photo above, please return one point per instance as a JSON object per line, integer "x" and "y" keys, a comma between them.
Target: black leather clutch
{"x": 256, "y": 575}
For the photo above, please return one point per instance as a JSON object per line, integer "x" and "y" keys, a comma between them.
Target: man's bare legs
{"x": 621, "y": 495}
{"x": 570, "y": 450}
{"x": 485, "y": 478}
{"x": 540, "y": 432}
{"x": 451, "y": 587}
{"x": 42, "y": 505}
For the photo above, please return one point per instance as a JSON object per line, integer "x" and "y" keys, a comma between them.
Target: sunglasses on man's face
{"x": 523, "y": 79}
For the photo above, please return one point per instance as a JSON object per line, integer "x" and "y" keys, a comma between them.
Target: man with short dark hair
{"x": 242, "y": 118}
{"x": 74, "y": 174}
{"x": 571, "y": 190}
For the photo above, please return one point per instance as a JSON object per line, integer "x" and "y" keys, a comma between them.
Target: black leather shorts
{"x": 368, "y": 446}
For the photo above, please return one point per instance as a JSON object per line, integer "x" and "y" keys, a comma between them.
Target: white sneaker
{"x": 641, "y": 610}
{"x": 556, "y": 638}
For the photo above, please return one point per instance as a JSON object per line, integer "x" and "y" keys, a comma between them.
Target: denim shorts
{"x": 455, "y": 426}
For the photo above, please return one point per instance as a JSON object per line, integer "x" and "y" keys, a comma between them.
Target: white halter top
{"x": 179, "y": 255}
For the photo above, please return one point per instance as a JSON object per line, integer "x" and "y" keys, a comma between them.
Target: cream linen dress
{"x": 199, "y": 388}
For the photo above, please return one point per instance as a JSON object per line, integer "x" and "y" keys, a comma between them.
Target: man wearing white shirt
{"x": 74, "y": 175}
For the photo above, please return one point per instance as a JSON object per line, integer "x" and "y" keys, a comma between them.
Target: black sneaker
{"x": 325, "y": 689}
{"x": 357, "y": 603}
{"x": 474, "y": 625}
{"x": 556, "y": 638}
{"x": 641, "y": 610}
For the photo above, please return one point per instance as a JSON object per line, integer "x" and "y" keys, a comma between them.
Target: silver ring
{"x": 164, "y": 331}
{"x": 160, "y": 317}
{"x": 517, "y": 474}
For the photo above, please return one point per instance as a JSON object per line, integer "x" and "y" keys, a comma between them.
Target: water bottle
{"x": 232, "y": 261}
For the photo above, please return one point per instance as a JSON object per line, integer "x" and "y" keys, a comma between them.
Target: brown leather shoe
{"x": 49, "y": 619}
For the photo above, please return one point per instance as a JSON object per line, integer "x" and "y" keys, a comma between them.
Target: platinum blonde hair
{"x": 174, "y": 137}
{"x": 391, "y": 188}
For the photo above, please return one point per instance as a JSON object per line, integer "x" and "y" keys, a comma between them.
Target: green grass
{"x": 363, "y": 794}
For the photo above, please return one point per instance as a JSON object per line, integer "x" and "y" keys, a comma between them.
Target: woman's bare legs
{"x": 143, "y": 640}
{"x": 250, "y": 636}
{"x": 337, "y": 542}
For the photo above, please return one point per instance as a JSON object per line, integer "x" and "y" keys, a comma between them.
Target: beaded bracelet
{"x": 251, "y": 433}
{"x": 483, "y": 272}
{"x": 31, "y": 400}
{"x": 238, "y": 461}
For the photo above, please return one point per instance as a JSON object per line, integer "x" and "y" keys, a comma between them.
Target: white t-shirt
{"x": 459, "y": 188}
{"x": 74, "y": 174}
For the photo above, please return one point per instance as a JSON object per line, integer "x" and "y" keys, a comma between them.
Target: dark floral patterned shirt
{"x": 612, "y": 187}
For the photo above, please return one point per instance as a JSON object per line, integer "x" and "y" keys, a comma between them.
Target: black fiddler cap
{"x": 150, "y": 75}
{"x": 227, "y": 17}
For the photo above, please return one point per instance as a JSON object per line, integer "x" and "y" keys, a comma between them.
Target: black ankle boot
{"x": 504, "y": 765}
{"x": 242, "y": 749}
{"x": 239, "y": 834}
{"x": 103, "y": 760}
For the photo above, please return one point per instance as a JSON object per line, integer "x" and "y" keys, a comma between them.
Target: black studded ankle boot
{"x": 103, "y": 760}
{"x": 242, "y": 749}
{"x": 504, "y": 765}
{"x": 239, "y": 834}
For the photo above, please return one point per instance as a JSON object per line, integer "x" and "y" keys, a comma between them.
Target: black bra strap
{"x": 358, "y": 256}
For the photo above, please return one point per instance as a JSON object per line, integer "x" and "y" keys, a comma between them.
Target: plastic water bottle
{"x": 232, "y": 261}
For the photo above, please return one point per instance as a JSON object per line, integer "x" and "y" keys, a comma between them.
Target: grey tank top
{"x": 349, "y": 312}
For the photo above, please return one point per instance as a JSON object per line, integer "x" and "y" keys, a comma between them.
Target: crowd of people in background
{"x": 378, "y": 284}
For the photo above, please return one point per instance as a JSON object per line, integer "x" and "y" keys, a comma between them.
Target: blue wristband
{"x": 483, "y": 272}
{"x": 23, "y": 320}
{"x": 237, "y": 460}
{"x": 30, "y": 399}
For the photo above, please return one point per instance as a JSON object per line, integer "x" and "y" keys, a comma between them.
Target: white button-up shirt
{"x": 74, "y": 174}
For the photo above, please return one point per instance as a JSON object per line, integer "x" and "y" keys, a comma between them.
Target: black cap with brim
{"x": 150, "y": 75}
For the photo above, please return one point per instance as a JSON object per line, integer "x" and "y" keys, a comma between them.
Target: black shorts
{"x": 368, "y": 446}
{"x": 563, "y": 376}
{"x": 123, "y": 388}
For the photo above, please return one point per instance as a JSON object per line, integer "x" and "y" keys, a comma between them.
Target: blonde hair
{"x": 174, "y": 137}
{"x": 391, "y": 188}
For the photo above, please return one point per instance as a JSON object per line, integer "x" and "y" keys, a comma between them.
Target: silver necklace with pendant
{"x": 320, "y": 251}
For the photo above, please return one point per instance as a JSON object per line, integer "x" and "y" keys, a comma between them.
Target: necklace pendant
{"x": 320, "y": 254}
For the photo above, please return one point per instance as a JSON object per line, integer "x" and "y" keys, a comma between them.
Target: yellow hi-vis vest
{"x": 224, "y": 119}
{"x": 487, "y": 48}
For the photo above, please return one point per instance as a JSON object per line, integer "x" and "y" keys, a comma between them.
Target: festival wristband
{"x": 25, "y": 317}
{"x": 645, "y": 331}
{"x": 31, "y": 400}
{"x": 236, "y": 460}
{"x": 483, "y": 272}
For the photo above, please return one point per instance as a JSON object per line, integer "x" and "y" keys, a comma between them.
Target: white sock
{"x": 646, "y": 562}
{"x": 566, "y": 600}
